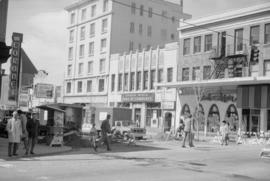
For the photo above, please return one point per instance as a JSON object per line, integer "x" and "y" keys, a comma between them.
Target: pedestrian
{"x": 93, "y": 136}
{"x": 224, "y": 133}
{"x": 187, "y": 130}
{"x": 14, "y": 129}
{"x": 192, "y": 130}
{"x": 23, "y": 119}
{"x": 105, "y": 130}
{"x": 33, "y": 130}
{"x": 181, "y": 127}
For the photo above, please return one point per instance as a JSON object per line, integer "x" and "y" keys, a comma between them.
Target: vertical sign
{"x": 14, "y": 78}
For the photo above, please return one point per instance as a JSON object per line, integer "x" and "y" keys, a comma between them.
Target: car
{"x": 265, "y": 153}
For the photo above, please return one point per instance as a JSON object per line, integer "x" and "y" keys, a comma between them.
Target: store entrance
{"x": 251, "y": 120}
{"x": 137, "y": 117}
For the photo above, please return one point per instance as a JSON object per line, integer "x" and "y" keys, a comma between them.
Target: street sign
{"x": 44, "y": 91}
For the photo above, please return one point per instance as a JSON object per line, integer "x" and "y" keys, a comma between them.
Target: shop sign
{"x": 169, "y": 105}
{"x": 138, "y": 97}
{"x": 44, "y": 91}
{"x": 15, "y": 66}
{"x": 23, "y": 100}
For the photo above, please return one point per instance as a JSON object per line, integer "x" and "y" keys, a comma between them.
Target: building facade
{"x": 223, "y": 70}
{"x": 132, "y": 80}
{"x": 97, "y": 29}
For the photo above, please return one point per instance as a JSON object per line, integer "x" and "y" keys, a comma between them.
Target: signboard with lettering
{"x": 23, "y": 100}
{"x": 44, "y": 91}
{"x": 15, "y": 64}
{"x": 138, "y": 97}
{"x": 169, "y": 105}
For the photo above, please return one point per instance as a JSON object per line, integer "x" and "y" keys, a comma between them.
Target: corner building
{"x": 99, "y": 28}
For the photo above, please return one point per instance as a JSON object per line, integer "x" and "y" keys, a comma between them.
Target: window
{"x": 90, "y": 67}
{"x": 105, "y": 5}
{"x": 150, "y": 12}
{"x": 89, "y": 86}
{"x": 104, "y": 25}
{"x": 140, "y": 29}
{"x": 140, "y": 46}
{"x": 113, "y": 82}
{"x": 83, "y": 15}
{"x": 267, "y": 68}
{"x": 186, "y": 50}
{"x": 132, "y": 27}
{"x": 91, "y": 48}
{"x": 92, "y": 29}
{"x": 131, "y": 46}
{"x": 81, "y": 53}
{"x": 208, "y": 43}
{"x": 172, "y": 36}
{"x": 267, "y": 33}
{"x": 120, "y": 82}
{"x": 149, "y": 31}
{"x": 103, "y": 45}
{"x": 238, "y": 42}
{"x": 101, "y": 85}
{"x": 93, "y": 10}
{"x": 196, "y": 73}
{"x": 70, "y": 53}
{"x": 254, "y": 35}
{"x": 68, "y": 88}
{"x": 69, "y": 70}
{"x": 153, "y": 79}
{"x": 145, "y": 80}
{"x": 79, "y": 87}
{"x": 164, "y": 14}
{"x": 126, "y": 82}
{"x": 133, "y": 8}
{"x": 139, "y": 80}
{"x": 80, "y": 70}
{"x": 72, "y": 18}
{"x": 206, "y": 72}
{"x": 160, "y": 75}
{"x": 82, "y": 34}
{"x": 71, "y": 36}
{"x": 173, "y": 19}
{"x": 102, "y": 66}
{"x": 197, "y": 44}
{"x": 169, "y": 74}
{"x": 132, "y": 81}
{"x": 141, "y": 10}
{"x": 185, "y": 74}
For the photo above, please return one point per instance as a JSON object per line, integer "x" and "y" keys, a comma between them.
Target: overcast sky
{"x": 43, "y": 24}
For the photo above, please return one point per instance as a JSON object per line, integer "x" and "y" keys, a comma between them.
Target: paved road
{"x": 150, "y": 162}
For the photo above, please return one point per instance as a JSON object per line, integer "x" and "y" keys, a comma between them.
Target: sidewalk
{"x": 40, "y": 150}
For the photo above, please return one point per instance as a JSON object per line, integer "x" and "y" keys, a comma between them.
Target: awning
{"x": 50, "y": 107}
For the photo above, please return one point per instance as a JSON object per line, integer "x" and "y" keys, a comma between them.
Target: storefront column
{"x": 263, "y": 120}
{"x": 143, "y": 115}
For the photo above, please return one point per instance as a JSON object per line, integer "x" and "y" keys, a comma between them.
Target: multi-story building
{"x": 100, "y": 28}
{"x": 224, "y": 70}
{"x": 132, "y": 78}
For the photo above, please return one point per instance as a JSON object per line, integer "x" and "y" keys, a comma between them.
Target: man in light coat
{"x": 14, "y": 129}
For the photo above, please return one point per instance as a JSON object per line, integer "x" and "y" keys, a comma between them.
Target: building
{"x": 224, "y": 70}
{"x": 100, "y": 28}
{"x": 131, "y": 84}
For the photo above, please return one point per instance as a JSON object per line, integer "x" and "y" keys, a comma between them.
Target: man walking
{"x": 23, "y": 119}
{"x": 33, "y": 130}
{"x": 187, "y": 130}
{"x": 105, "y": 129}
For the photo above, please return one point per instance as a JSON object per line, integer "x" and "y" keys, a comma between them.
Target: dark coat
{"x": 105, "y": 126}
{"x": 32, "y": 128}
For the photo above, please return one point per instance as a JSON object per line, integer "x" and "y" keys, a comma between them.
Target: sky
{"x": 43, "y": 24}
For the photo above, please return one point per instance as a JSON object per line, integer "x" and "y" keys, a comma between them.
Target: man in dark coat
{"x": 32, "y": 127}
{"x": 105, "y": 129}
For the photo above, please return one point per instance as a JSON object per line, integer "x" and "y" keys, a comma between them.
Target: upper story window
{"x": 160, "y": 75}
{"x": 80, "y": 70}
{"x": 131, "y": 46}
{"x": 208, "y": 42}
{"x": 141, "y": 10}
{"x": 139, "y": 46}
{"x": 120, "y": 82}
{"x": 101, "y": 84}
{"x": 68, "y": 88}
{"x": 150, "y": 12}
{"x": 186, "y": 47}
{"x": 206, "y": 72}
{"x": 72, "y": 18}
{"x": 83, "y": 15}
{"x": 69, "y": 70}
{"x": 152, "y": 78}
{"x": 79, "y": 87}
{"x": 102, "y": 65}
{"x": 197, "y": 44}
{"x": 92, "y": 29}
{"x": 103, "y": 45}
{"x": 254, "y": 35}
{"x": 90, "y": 67}
{"x": 169, "y": 74}
{"x": 132, "y": 27}
{"x": 238, "y": 41}
{"x": 267, "y": 33}
{"x": 132, "y": 81}
{"x": 149, "y": 31}
{"x": 81, "y": 51}
{"x": 91, "y": 48}
{"x": 140, "y": 29}
{"x": 105, "y": 5}
{"x": 71, "y": 35}
{"x": 104, "y": 25}
{"x": 93, "y": 10}
{"x": 70, "y": 53}
{"x": 133, "y": 8}
{"x": 82, "y": 33}
{"x": 113, "y": 82}
{"x": 89, "y": 86}
{"x": 196, "y": 73}
{"x": 139, "y": 80}
{"x": 145, "y": 80}
{"x": 126, "y": 82}
{"x": 185, "y": 74}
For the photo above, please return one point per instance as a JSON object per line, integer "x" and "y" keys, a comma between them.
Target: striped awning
{"x": 253, "y": 96}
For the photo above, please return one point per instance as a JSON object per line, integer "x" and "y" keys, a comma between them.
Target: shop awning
{"x": 50, "y": 107}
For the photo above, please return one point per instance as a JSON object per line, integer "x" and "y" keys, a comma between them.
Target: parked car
{"x": 266, "y": 151}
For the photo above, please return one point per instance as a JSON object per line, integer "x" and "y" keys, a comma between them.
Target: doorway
{"x": 168, "y": 121}
{"x": 251, "y": 120}
{"x": 137, "y": 117}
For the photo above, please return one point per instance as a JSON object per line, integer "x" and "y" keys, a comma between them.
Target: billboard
{"x": 44, "y": 91}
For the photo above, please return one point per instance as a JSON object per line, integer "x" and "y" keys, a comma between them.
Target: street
{"x": 149, "y": 161}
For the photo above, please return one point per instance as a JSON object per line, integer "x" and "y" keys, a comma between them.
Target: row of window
{"x": 238, "y": 40}
{"x": 91, "y": 49}
{"x": 89, "y": 86}
{"x": 90, "y": 68}
{"x": 140, "y": 30}
{"x": 126, "y": 81}
{"x": 93, "y": 12}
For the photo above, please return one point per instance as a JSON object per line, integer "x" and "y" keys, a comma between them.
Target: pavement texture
{"x": 39, "y": 150}
{"x": 145, "y": 161}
